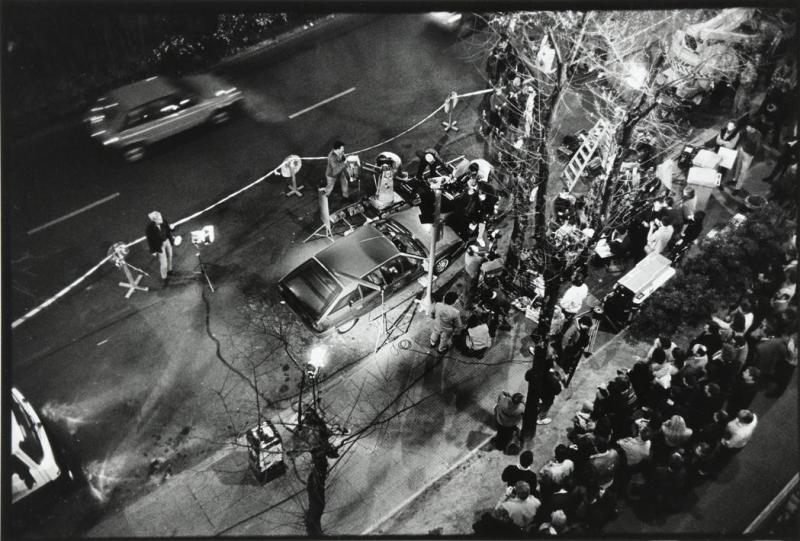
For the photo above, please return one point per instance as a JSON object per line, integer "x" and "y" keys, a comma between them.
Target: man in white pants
{"x": 159, "y": 238}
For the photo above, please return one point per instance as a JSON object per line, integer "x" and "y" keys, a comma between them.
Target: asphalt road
{"x": 130, "y": 385}
{"x": 398, "y": 69}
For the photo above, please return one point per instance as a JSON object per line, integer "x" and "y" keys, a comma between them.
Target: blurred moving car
{"x": 134, "y": 116}
{"x": 343, "y": 281}
{"x": 33, "y": 463}
{"x": 463, "y": 24}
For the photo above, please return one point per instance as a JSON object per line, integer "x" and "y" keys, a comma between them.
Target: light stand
{"x": 449, "y": 105}
{"x": 118, "y": 252}
{"x": 289, "y": 168}
{"x": 203, "y": 237}
{"x": 323, "y": 231}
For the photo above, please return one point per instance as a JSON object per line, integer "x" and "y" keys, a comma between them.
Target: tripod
{"x": 323, "y": 231}
{"x": 201, "y": 266}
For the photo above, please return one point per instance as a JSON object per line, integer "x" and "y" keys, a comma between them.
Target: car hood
{"x": 409, "y": 219}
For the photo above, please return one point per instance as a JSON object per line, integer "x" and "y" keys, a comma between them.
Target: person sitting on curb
{"x": 477, "y": 339}
{"x": 446, "y": 320}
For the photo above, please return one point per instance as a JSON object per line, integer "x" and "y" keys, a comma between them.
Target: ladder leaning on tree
{"x": 600, "y": 136}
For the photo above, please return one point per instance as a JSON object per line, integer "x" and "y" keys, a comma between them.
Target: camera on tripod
{"x": 203, "y": 236}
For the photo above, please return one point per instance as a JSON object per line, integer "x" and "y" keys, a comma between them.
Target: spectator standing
{"x": 507, "y": 415}
{"x": 709, "y": 338}
{"x": 574, "y": 343}
{"x": 749, "y": 145}
{"x": 513, "y": 473}
{"x": 558, "y": 471}
{"x": 744, "y": 390}
{"x": 659, "y": 235}
{"x": 160, "y": 241}
{"x": 498, "y": 304}
{"x": 551, "y": 388}
{"x": 728, "y": 137}
{"x": 636, "y": 449}
{"x": 572, "y": 299}
{"x": 473, "y": 260}
{"x": 446, "y": 320}
{"x": 740, "y": 430}
{"x": 336, "y": 170}
{"x": 788, "y": 157}
{"x": 744, "y": 92}
{"x": 522, "y": 506}
{"x": 429, "y": 159}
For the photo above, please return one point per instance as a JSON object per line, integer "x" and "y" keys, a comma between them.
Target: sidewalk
{"x": 453, "y": 416}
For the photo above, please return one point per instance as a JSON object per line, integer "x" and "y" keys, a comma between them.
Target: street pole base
{"x": 133, "y": 286}
{"x": 294, "y": 190}
{"x": 451, "y": 125}
{"x": 323, "y": 232}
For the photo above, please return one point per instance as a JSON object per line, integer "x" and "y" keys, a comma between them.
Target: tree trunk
{"x": 315, "y": 486}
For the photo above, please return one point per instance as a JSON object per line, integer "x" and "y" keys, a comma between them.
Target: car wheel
{"x": 441, "y": 265}
{"x": 221, "y": 116}
{"x": 133, "y": 153}
{"x": 347, "y": 327}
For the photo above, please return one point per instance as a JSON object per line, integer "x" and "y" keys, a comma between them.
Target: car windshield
{"x": 185, "y": 87}
{"x": 313, "y": 286}
{"x": 29, "y": 443}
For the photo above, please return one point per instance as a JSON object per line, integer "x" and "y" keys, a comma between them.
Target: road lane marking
{"x": 74, "y": 213}
{"x": 323, "y": 102}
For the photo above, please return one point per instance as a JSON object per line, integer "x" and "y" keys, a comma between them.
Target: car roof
{"x": 142, "y": 92}
{"x": 358, "y": 253}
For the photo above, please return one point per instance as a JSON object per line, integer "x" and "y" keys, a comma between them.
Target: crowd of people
{"x": 668, "y": 423}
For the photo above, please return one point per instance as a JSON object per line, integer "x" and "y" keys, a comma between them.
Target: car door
{"x": 371, "y": 297}
{"x": 398, "y": 272}
{"x": 344, "y": 309}
{"x": 191, "y": 111}
{"x": 166, "y": 117}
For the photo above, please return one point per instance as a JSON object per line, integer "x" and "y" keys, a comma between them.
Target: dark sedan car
{"x": 343, "y": 281}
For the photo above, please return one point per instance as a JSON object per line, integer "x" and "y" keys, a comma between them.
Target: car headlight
{"x": 225, "y": 92}
{"x": 111, "y": 141}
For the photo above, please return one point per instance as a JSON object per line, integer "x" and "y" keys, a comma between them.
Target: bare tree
{"x": 617, "y": 63}
{"x": 321, "y": 428}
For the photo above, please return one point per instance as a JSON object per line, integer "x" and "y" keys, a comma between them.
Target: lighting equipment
{"x": 118, "y": 252}
{"x": 289, "y": 168}
{"x": 203, "y": 237}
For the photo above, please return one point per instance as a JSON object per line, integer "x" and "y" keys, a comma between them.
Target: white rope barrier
{"x": 88, "y": 273}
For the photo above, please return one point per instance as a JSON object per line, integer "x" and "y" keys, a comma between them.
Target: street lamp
{"x": 316, "y": 360}
{"x": 636, "y": 76}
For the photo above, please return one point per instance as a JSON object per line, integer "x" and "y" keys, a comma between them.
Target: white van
{"x": 33, "y": 464}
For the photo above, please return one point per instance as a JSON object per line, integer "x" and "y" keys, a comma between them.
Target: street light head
{"x": 637, "y": 76}
{"x": 318, "y": 356}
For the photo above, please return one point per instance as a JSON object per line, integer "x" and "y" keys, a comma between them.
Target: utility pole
{"x": 426, "y": 304}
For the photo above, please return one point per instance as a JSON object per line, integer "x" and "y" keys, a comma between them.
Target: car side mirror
{"x": 350, "y": 303}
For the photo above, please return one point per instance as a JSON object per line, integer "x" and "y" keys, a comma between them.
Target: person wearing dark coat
{"x": 513, "y": 473}
{"x": 710, "y": 338}
{"x": 744, "y": 390}
{"x": 160, "y": 241}
{"x": 707, "y": 400}
{"x": 641, "y": 379}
